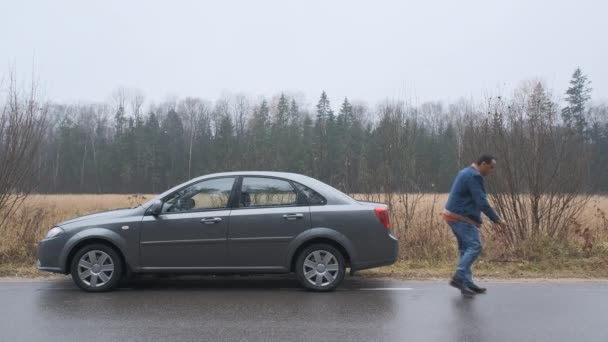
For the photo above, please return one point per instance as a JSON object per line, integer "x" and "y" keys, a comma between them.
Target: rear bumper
{"x": 391, "y": 256}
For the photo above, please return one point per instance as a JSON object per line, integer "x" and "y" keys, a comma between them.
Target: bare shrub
{"x": 539, "y": 186}
{"x": 22, "y": 123}
{"x": 21, "y": 234}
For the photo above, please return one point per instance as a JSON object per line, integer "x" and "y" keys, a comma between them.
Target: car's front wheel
{"x": 96, "y": 268}
{"x": 320, "y": 267}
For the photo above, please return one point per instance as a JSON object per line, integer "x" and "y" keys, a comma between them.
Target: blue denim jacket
{"x": 468, "y": 196}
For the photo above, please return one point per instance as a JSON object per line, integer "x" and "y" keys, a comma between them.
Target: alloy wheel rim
{"x": 95, "y": 268}
{"x": 321, "y": 268}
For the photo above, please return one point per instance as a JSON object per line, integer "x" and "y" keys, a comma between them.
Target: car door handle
{"x": 293, "y": 216}
{"x": 211, "y": 220}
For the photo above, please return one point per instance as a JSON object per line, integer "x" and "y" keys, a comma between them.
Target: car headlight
{"x": 54, "y": 232}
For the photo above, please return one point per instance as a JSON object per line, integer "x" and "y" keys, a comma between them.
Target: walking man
{"x": 462, "y": 212}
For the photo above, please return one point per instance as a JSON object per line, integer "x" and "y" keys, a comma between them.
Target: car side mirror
{"x": 156, "y": 208}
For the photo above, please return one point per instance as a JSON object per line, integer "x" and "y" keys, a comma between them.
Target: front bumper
{"x": 49, "y": 254}
{"x": 48, "y": 269}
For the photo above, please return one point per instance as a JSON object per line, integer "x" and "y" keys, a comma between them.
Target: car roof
{"x": 289, "y": 175}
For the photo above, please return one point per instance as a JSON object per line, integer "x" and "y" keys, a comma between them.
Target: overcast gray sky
{"x": 367, "y": 50}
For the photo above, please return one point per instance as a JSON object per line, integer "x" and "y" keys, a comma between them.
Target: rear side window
{"x": 264, "y": 192}
{"x": 312, "y": 197}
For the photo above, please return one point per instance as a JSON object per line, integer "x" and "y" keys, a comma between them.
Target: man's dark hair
{"x": 485, "y": 158}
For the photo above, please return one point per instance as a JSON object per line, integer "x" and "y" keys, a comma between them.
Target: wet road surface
{"x": 276, "y": 309}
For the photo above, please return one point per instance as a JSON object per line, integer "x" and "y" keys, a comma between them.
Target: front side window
{"x": 264, "y": 192}
{"x": 208, "y": 194}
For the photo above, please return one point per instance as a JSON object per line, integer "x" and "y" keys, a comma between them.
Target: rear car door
{"x": 270, "y": 213}
{"x": 192, "y": 230}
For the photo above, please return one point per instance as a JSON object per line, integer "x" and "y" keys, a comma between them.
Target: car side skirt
{"x": 221, "y": 269}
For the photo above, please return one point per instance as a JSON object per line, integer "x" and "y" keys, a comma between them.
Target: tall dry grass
{"x": 423, "y": 235}
{"x": 29, "y": 224}
{"x": 415, "y": 219}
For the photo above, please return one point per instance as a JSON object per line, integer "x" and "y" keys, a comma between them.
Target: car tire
{"x": 96, "y": 268}
{"x": 320, "y": 267}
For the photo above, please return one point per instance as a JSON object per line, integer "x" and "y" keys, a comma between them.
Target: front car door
{"x": 191, "y": 232}
{"x": 268, "y": 216}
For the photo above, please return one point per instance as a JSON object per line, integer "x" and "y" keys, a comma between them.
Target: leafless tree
{"x": 193, "y": 109}
{"x": 540, "y": 184}
{"x": 22, "y": 123}
{"x": 136, "y": 100}
{"x": 242, "y": 111}
{"x": 119, "y": 99}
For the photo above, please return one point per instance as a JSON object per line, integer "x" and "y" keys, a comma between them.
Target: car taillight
{"x": 382, "y": 214}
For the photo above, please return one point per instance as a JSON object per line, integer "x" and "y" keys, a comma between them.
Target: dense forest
{"x": 129, "y": 146}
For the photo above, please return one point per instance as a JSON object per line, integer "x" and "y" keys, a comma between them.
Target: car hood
{"x": 110, "y": 214}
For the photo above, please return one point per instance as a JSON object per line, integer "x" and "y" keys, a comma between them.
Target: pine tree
{"x": 294, "y": 140}
{"x": 282, "y": 112}
{"x": 280, "y": 138}
{"x": 225, "y": 141}
{"x": 357, "y": 139}
{"x": 152, "y": 164}
{"x": 294, "y": 113}
{"x": 323, "y": 126}
{"x": 259, "y": 137}
{"x": 341, "y": 147}
{"x": 578, "y": 94}
{"x": 324, "y": 111}
{"x": 307, "y": 153}
{"x": 203, "y": 161}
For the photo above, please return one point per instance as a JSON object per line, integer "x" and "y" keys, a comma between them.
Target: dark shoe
{"x": 464, "y": 289}
{"x": 476, "y": 288}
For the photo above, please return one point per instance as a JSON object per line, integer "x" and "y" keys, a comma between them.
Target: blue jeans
{"x": 469, "y": 246}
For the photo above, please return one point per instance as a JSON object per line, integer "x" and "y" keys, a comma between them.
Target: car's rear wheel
{"x": 96, "y": 268}
{"x": 320, "y": 267}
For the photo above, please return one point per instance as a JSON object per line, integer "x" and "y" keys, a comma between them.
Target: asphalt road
{"x": 276, "y": 309}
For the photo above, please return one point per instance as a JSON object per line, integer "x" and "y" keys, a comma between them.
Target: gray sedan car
{"x": 237, "y": 222}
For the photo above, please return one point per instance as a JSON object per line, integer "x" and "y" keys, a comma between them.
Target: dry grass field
{"x": 427, "y": 246}
{"x": 21, "y": 232}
